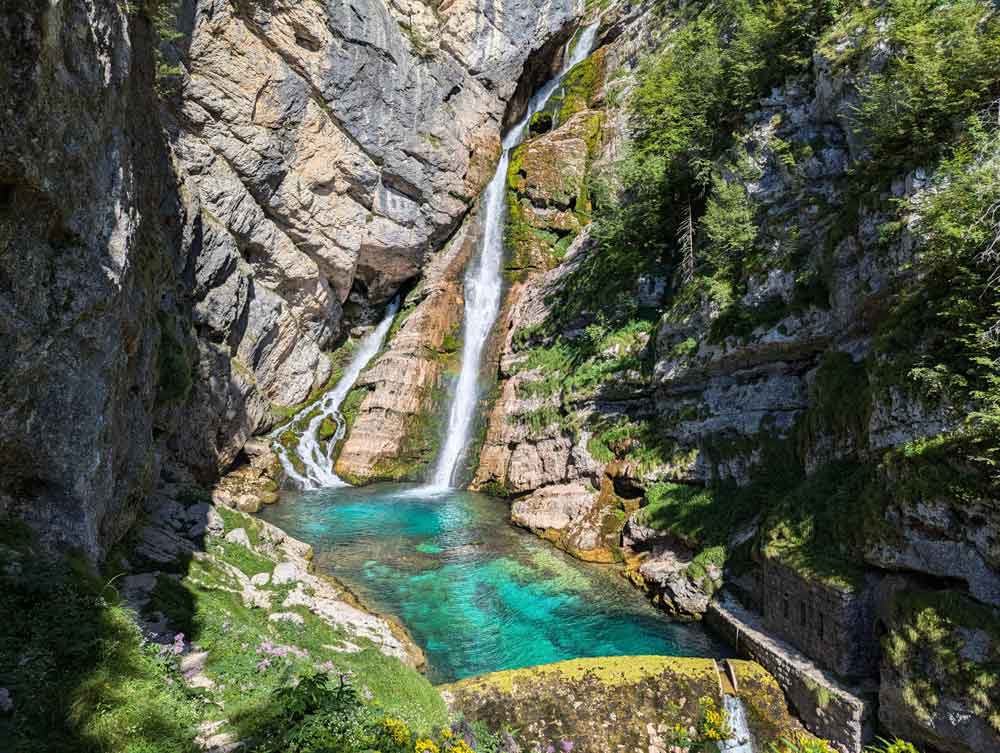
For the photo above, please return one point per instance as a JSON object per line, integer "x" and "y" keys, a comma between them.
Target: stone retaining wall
{"x": 841, "y": 715}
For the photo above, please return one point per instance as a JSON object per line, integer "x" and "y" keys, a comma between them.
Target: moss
{"x": 619, "y": 670}
{"x": 174, "y": 364}
{"x": 327, "y": 429}
{"x": 820, "y": 526}
{"x": 840, "y": 401}
{"x": 926, "y": 645}
{"x": 581, "y": 85}
{"x": 421, "y": 443}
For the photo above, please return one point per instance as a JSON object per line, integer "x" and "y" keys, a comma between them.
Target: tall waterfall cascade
{"x": 484, "y": 281}
{"x": 318, "y": 462}
{"x": 739, "y": 741}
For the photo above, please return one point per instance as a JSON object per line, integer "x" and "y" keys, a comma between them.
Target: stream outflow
{"x": 484, "y": 282}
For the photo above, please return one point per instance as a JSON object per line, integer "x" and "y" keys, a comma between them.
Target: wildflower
{"x": 327, "y": 666}
{"x": 178, "y": 647}
{"x": 263, "y": 664}
{"x": 424, "y": 745}
{"x": 6, "y": 702}
{"x": 566, "y": 746}
{"x": 397, "y": 730}
{"x": 550, "y": 749}
{"x": 459, "y": 746}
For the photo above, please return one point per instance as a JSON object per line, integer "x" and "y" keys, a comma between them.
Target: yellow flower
{"x": 459, "y": 746}
{"x": 426, "y": 746}
{"x": 397, "y": 730}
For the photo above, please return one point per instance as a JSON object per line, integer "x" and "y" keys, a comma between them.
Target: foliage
{"x": 943, "y": 64}
{"x": 728, "y": 223}
{"x": 684, "y": 113}
{"x": 320, "y": 714}
{"x": 801, "y": 743}
{"x": 76, "y": 666}
{"x": 926, "y": 647}
{"x": 805, "y": 743}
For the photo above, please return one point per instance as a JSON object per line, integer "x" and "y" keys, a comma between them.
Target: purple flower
{"x": 6, "y": 702}
{"x": 566, "y": 745}
{"x": 551, "y": 749}
{"x": 263, "y": 664}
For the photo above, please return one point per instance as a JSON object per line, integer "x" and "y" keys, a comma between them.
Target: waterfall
{"x": 483, "y": 279}
{"x": 736, "y": 715}
{"x": 318, "y": 463}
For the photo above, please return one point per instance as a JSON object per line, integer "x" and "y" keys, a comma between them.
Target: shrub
{"x": 944, "y": 63}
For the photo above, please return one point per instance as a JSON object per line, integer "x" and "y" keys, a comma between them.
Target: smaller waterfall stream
{"x": 484, "y": 282}
{"x": 740, "y": 742}
{"x": 318, "y": 463}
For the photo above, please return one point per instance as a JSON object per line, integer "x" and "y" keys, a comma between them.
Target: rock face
{"x": 87, "y": 249}
{"x": 395, "y": 433}
{"x": 938, "y": 683}
{"x": 335, "y": 146}
{"x": 160, "y": 291}
{"x": 178, "y": 529}
{"x": 574, "y": 517}
{"x": 699, "y": 407}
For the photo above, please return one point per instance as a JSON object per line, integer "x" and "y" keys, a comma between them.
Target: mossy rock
{"x": 327, "y": 429}
{"x": 614, "y": 703}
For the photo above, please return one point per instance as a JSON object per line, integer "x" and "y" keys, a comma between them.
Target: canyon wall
{"x": 200, "y": 199}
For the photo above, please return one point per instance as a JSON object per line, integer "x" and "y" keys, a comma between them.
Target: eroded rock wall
{"x": 194, "y": 193}
{"x": 761, "y": 430}
{"x": 88, "y": 250}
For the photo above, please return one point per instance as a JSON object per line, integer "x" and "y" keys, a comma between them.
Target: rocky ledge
{"x": 627, "y": 703}
{"x": 182, "y": 527}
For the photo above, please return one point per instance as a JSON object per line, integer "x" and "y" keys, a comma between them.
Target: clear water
{"x": 477, "y": 594}
{"x": 741, "y": 741}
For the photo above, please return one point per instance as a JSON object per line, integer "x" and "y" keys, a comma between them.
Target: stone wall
{"x": 843, "y": 715}
{"x": 834, "y": 625}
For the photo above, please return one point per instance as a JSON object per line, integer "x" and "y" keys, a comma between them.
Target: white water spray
{"x": 318, "y": 463}
{"x": 483, "y": 280}
{"x": 736, "y": 715}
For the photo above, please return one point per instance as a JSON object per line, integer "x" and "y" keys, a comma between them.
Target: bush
{"x": 944, "y": 64}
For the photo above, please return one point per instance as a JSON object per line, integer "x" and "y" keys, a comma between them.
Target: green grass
{"x": 203, "y": 604}
{"x": 80, "y": 675}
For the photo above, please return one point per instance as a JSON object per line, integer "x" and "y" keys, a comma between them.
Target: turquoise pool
{"x": 476, "y": 593}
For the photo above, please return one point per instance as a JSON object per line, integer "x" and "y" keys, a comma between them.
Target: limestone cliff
{"x": 199, "y": 198}
{"x": 90, "y": 269}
